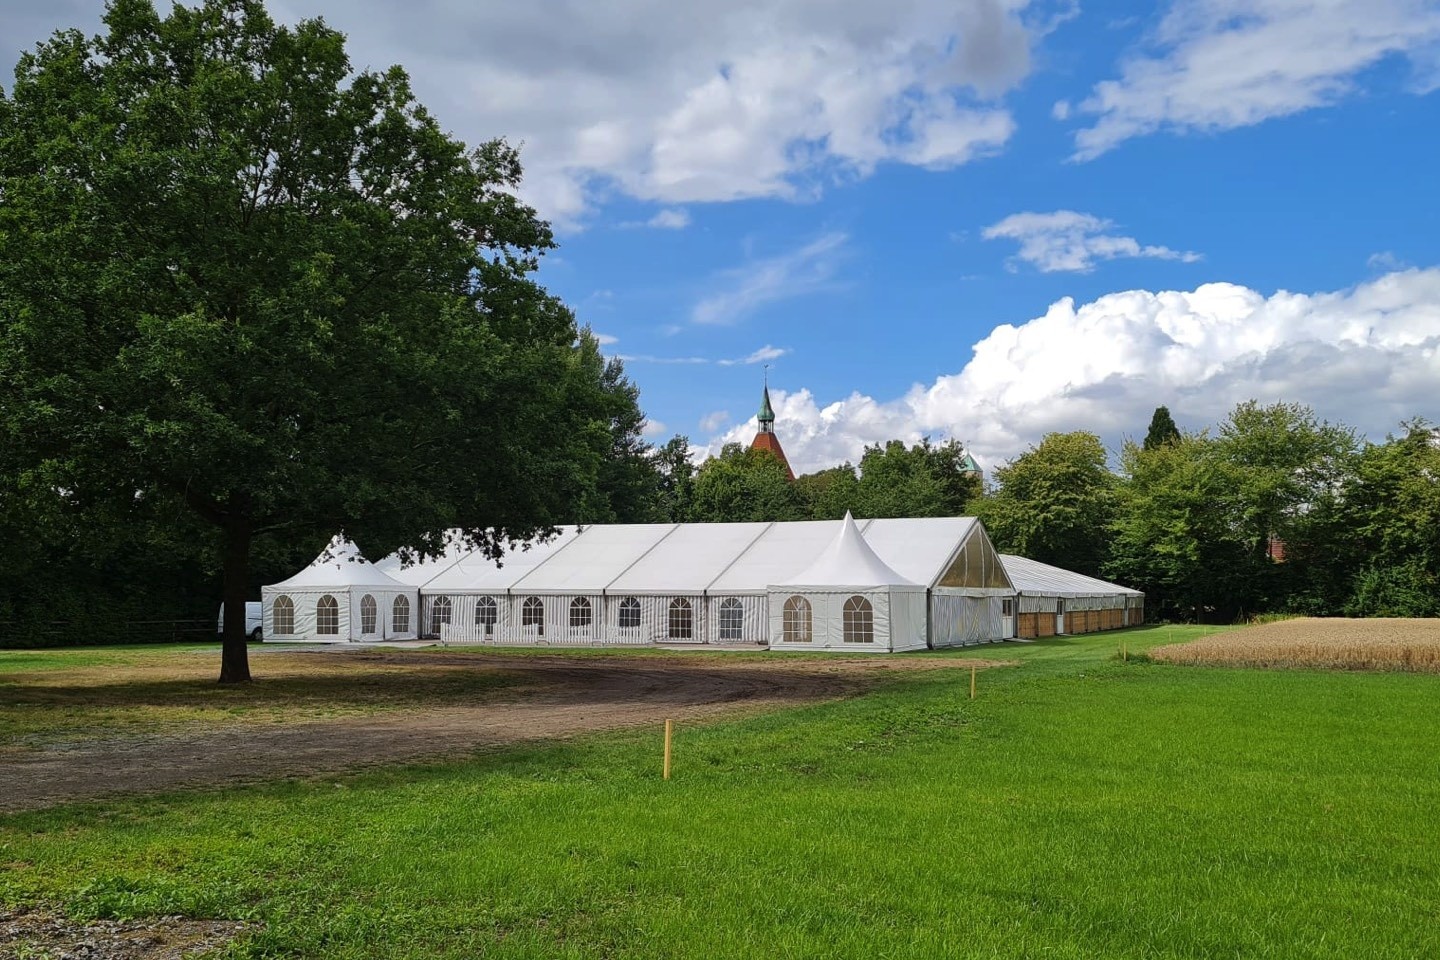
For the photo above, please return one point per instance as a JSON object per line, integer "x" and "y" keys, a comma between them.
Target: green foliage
{"x": 744, "y": 485}
{"x": 829, "y": 494}
{"x": 1263, "y": 813}
{"x": 1404, "y": 589}
{"x": 239, "y": 279}
{"x": 674, "y": 474}
{"x": 1162, "y": 429}
{"x": 1053, "y": 503}
{"x": 920, "y": 481}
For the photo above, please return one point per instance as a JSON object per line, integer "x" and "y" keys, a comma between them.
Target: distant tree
{"x": 924, "y": 480}
{"x": 828, "y": 494}
{"x": 628, "y": 484}
{"x": 744, "y": 485}
{"x": 238, "y": 279}
{"x": 1162, "y": 429}
{"x": 675, "y": 479}
{"x": 1173, "y": 534}
{"x": 1054, "y": 503}
{"x": 1388, "y": 526}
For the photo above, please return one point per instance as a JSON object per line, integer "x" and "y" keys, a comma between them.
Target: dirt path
{"x": 549, "y": 697}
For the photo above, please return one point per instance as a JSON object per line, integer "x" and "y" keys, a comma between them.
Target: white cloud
{"x": 1368, "y": 357}
{"x": 650, "y": 358}
{"x": 673, "y": 218}
{"x": 670, "y": 218}
{"x": 706, "y": 101}
{"x": 763, "y": 355}
{"x": 653, "y": 429}
{"x": 1220, "y": 64}
{"x": 747, "y": 288}
{"x": 714, "y": 421}
{"x": 1070, "y": 241}
{"x": 605, "y": 339}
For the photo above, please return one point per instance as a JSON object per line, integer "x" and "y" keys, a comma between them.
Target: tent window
{"x": 400, "y": 615}
{"x": 797, "y": 620}
{"x": 283, "y": 615}
{"x": 1059, "y": 606}
{"x": 327, "y": 616}
{"x": 532, "y": 614}
{"x": 859, "y": 621}
{"x": 440, "y": 611}
{"x": 629, "y": 613}
{"x": 732, "y": 619}
{"x": 682, "y": 619}
{"x": 1007, "y": 607}
{"x": 367, "y": 614}
{"x": 581, "y": 613}
{"x": 486, "y": 614}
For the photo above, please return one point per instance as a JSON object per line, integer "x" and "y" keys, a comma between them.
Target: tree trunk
{"x": 234, "y": 657}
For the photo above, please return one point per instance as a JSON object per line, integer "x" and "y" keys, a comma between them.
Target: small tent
{"x": 340, "y": 597}
{"x": 847, "y": 599}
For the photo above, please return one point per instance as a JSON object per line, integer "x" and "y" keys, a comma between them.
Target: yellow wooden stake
{"x": 669, "y": 729}
{"x": 1124, "y": 658}
{"x": 972, "y": 681}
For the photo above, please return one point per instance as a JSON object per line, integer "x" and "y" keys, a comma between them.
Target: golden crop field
{"x": 1337, "y": 644}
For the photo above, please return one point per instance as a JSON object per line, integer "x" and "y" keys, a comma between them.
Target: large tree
{"x": 1054, "y": 502}
{"x": 924, "y": 480}
{"x": 743, "y": 485}
{"x": 238, "y": 277}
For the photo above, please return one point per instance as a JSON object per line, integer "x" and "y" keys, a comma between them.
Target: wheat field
{"x": 1334, "y": 644}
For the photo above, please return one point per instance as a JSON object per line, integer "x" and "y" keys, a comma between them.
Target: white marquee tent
{"x": 927, "y": 582}
{"x": 341, "y": 596}
{"x": 1054, "y": 600}
{"x": 847, "y": 598}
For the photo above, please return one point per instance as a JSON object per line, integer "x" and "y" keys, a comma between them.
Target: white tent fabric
{"x": 693, "y": 583}
{"x": 339, "y": 597}
{"x": 856, "y": 600}
{"x": 418, "y": 571}
{"x": 1038, "y": 585}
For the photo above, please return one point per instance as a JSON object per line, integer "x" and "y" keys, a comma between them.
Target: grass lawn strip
{"x": 1080, "y": 807}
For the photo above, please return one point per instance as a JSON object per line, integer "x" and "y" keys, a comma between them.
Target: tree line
{"x": 1271, "y": 510}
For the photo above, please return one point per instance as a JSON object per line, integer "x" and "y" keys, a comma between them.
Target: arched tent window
{"x": 682, "y": 619}
{"x": 859, "y": 621}
{"x": 400, "y": 615}
{"x": 532, "y": 614}
{"x": 732, "y": 619}
{"x": 629, "y": 613}
{"x": 581, "y": 613}
{"x": 327, "y": 616}
{"x": 487, "y": 614}
{"x": 797, "y": 620}
{"x": 282, "y": 615}
{"x": 367, "y": 614}
{"x": 440, "y": 611}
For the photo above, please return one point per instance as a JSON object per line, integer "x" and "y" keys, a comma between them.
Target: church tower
{"x": 766, "y": 439}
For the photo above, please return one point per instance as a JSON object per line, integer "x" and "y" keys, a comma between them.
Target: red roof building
{"x": 766, "y": 439}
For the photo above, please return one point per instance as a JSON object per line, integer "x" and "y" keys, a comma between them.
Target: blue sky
{"x": 983, "y": 219}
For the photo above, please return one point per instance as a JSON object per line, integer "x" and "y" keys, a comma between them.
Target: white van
{"x": 254, "y": 620}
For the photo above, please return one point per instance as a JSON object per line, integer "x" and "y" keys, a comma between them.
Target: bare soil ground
{"x": 43, "y": 936}
{"x": 1338, "y": 644}
{"x": 161, "y": 724}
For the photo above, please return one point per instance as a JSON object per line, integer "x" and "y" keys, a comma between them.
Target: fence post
{"x": 669, "y": 729}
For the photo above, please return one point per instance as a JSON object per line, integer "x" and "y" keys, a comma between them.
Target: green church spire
{"x": 767, "y": 413}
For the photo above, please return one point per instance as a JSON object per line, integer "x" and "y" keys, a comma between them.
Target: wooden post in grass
{"x": 972, "y": 681}
{"x": 669, "y": 729}
{"x": 1124, "y": 658}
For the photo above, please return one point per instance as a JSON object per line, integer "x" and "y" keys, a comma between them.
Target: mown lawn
{"x": 1080, "y": 807}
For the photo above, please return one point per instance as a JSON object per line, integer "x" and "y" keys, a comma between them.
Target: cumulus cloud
{"x": 1220, "y": 64}
{"x": 714, "y": 421}
{"x": 1070, "y": 241}
{"x": 706, "y": 101}
{"x": 747, "y": 288}
{"x": 1367, "y": 356}
{"x": 653, "y": 429}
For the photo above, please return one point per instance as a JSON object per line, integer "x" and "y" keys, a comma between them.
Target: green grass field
{"x": 1080, "y": 807}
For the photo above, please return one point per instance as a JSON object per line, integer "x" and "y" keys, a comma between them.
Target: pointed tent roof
{"x": 340, "y": 565}
{"x": 848, "y": 562}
